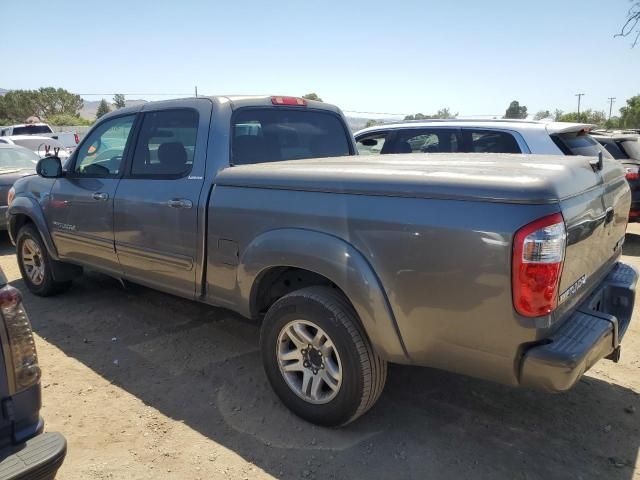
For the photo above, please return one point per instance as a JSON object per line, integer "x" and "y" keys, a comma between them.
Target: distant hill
{"x": 3, "y": 91}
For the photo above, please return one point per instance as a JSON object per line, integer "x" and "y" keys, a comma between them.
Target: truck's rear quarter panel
{"x": 445, "y": 265}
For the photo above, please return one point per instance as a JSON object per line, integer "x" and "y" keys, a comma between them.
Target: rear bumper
{"x": 594, "y": 331}
{"x": 36, "y": 459}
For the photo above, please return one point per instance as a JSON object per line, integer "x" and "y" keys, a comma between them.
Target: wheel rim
{"x": 309, "y": 361}
{"x": 33, "y": 261}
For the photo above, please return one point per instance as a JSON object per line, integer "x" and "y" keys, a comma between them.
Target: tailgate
{"x": 596, "y": 223}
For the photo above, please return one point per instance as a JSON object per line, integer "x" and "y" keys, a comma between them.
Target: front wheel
{"x": 35, "y": 264}
{"x": 318, "y": 359}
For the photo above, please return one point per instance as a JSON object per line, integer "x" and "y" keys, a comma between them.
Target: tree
{"x": 629, "y": 114}
{"x": 118, "y": 101}
{"x": 312, "y": 96}
{"x": 17, "y": 105}
{"x": 103, "y": 109}
{"x": 372, "y": 123}
{"x": 587, "y": 116}
{"x": 631, "y": 22}
{"x": 442, "y": 113}
{"x": 515, "y": 110}
{"x": 66, "y": 119}
{"x": 542, "y": 114}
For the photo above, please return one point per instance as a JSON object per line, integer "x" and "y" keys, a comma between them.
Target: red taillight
{"x": 634, "y": 213}
{"x": 299, "y": 102}
{"x": 538, "y": 253}
{"x": 76, "y": 137}
{"x": 9, "y": 297}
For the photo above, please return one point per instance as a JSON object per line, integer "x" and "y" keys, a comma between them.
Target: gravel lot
{"x": 146, "y": 385}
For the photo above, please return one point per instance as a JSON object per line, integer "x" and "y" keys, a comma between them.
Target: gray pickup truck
{"x": 504, "y": 267}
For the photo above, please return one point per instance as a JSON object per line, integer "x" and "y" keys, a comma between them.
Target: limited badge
{"x": 573, "y": 289}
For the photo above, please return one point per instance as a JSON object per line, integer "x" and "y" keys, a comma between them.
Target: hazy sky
{"x": 403, "y": 56}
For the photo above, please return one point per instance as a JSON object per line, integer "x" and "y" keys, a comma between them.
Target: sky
{"x": 364, "y": 56}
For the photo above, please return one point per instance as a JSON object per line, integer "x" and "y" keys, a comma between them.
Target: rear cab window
{"x": 277, "y": 134}
{"x": 579, "y": 143}
{"x": 32, "y": 130}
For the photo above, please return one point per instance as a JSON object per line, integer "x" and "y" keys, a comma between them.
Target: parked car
{"x": 41, "y": 146}
{"x": 479, "y": 136}
{"x": 505, "y": 267}
{"x": 69, "y": 140}
{"x": 15, "y": 162}
{"x": 626, "y": 149}
{"x": 25, "y": 451}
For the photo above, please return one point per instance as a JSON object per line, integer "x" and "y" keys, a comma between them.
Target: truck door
{"x": 81, "y": 203}
{"x": 156, "y": 204}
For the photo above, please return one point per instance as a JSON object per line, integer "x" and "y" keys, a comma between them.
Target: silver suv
{"x": 480, "y": 136}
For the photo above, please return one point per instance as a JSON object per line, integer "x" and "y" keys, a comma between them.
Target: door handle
{"x": 179, "y": 203}
{"x": 100, "y": 196}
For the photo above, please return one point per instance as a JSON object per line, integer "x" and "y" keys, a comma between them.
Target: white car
{"x": 479, "y": 135}
{"x": 70, "y": 140}
{"x": 42, "y": 146}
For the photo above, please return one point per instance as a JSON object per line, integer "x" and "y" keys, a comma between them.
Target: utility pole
{"x": 611, "y": 100}
{"x": 579, "y": 95}
{"x": 196, "y": 91}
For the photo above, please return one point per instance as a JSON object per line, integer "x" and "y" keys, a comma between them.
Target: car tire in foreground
{"x": 35, "y": 264}
{"x": 318, "y": 358}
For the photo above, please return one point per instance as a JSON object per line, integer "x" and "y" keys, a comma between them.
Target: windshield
{"x": 17, "y": 158}
{"x": 579, "y": 143}
{"x": 272, "y": 135}
{"x": 31, "y": 130}
{"x": 631, "y": 148}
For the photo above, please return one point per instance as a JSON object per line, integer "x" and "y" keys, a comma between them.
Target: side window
{"x": 371, "y": 144}
{"x": 166, "y": 144}
{"x": 101, "y": 154}
{"x": 490, "y": 141}
{"x": 434, "y": 141}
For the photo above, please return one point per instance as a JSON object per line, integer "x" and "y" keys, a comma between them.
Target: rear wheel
{"x": 318, "y": 359}
{"x": 35, "y": 264}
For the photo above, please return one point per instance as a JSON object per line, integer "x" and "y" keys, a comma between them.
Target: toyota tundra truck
{"x": 504, "y": 267}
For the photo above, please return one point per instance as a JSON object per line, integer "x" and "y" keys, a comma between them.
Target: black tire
{"x": 48, "y": 286}
{"x": 363, "y": 371}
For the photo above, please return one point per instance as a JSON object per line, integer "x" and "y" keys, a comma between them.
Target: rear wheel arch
{"x": 321, "y": 260}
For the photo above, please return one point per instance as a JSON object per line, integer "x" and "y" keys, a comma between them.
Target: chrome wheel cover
{"x": 309, "y": 361}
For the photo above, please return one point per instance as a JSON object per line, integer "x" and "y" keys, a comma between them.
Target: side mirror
{"x": 369, "y": 142}
{"x": 49, "y": 167}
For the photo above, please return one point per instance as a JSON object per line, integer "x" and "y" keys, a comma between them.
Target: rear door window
{"x": 166, "y": 144}
{"x": 277, "y": 134}
{"x": 414, "y": 140}
{"x": 489, "y": 141}
{"x": 579, "y": 143}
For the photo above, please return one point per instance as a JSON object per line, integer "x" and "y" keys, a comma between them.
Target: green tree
{"x": 442, "y": 113}
{"x": 103, "y": 109}
{"x": 515, "y": 110}
{"x": 17, "y": 105}
{"x": 66, "y": 119}
{"x": 312, "y": 96}
{"x": 372, "y": 123}
{"x": 118, "y": 101}
{"x": 629, "y": 114}
{"x": 542, "y": 114}
{"x": 55, "y": 101}
{"x": 587, "y": 116}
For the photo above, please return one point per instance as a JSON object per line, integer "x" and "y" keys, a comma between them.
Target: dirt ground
{"x": 145, "y": 385}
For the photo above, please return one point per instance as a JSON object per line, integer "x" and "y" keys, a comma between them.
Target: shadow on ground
{"x": 632, "y": 244}
{"x": 200, "y": 365}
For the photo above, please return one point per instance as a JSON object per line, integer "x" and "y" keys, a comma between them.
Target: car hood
{"x": 8, "y": 176}
{"x": 482, "y": 176}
